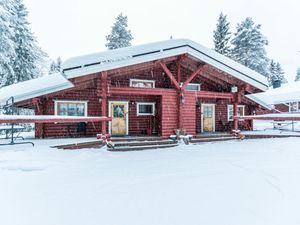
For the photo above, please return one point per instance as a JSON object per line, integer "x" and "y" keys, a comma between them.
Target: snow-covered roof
{"x": 35, "y": 87}
{"x": 112, "y": 59}
{"x": 289, "y": 92}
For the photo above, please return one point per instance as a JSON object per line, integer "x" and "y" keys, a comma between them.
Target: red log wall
{"x": 138, "y": 125}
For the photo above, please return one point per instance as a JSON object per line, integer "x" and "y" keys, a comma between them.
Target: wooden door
{"x": 118, "y": 113}
{"x": 208, "y": 117}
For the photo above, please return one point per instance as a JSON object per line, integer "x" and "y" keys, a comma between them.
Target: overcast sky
{"x": 69, "y": 28}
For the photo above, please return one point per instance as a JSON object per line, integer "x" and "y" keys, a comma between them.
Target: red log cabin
{"x": 151, "y": 89}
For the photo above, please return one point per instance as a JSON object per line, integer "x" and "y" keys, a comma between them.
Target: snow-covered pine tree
{"x": 55, "y": 66}
{"x": 297, "y": 78}
{"x": 272, "y": 72}
{"x": 280, "y": 73}
{"x": 120, "y": 36}
{"x": 6, "y": 44}
{"x": 28, "y": 55}
{"x": 276, "y": 73}
{"x": 222, "y": 36}
{"x": 249, "y": 47}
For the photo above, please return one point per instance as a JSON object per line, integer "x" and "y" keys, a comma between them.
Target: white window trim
{"x": 290, "y": 107}
{"x": 140, "y": 80}
{"x": 192, "y": 84}
{"x": 70, "y": 101}
{"x": 239, "y": 106}
{"x": 145, "y": 103}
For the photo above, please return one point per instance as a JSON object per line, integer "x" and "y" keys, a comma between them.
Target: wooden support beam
{"x": 208, "y": 77}
{"x": 235, "y": 116}
{"x": 236, "y": 101}
{"x": 170, "y": 75}
{"x": 140, "y": 91}
{"x": 162, "y": 91}
{"x": 192, "y": 76}
{"x": 211, "y": 94}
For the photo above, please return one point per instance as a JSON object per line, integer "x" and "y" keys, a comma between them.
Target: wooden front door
{"x": 208, "y": 118}
{"x": 119, "y": 116}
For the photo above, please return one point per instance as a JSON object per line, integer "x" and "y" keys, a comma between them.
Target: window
{"x": 293, "y": 107}
{"x": 71, "y": 108}
{"x": 192, "y": 87}
{"x": 241, "y": 111}
{"x": 142, "y": 83}
{"x": 145, "y": 108}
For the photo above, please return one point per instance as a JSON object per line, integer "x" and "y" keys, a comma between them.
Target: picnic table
{"x": 8, "y": 130}
{"x": 280, "y": 124}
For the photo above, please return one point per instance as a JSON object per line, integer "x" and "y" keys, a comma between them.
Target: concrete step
{"x": 137, "y": 138}
{"x": 198, "y": 136}
{"x": 213, "y": 139}
{"x": 74, "y": 146}
{"x": 141, "y": 147}
{"x": 142, "y": 143}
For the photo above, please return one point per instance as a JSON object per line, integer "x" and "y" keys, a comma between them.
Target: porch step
{"x": 141, "y": 147}
{"x": 198, "y": 136}
{"x": 213, "y": 139}
{"x": 137, "y": 138}
{"x": 75, "y": 146}
{"x": 143, "y": 143}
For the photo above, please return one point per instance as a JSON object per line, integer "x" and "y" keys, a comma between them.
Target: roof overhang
{"x": 114, "y": 59}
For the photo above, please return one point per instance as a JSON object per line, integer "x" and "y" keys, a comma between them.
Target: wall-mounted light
{"x": 234, "y": 89}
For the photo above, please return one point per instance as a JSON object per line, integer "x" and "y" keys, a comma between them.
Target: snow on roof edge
{"x": 285, "y": 94}
{"x": 259, "y": 101}
{"x": 61, "y": 84}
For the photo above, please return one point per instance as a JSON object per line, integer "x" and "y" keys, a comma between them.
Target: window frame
{"x": 141, "y": 80}
{"x": 192, "y": 84}
{"x": 145, "y": 103}
{"x": 290, "y": 107}
{"x": 56, "y": 102}
{"x": 239, "y": 106}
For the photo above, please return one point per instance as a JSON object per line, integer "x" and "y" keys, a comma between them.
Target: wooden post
{"x": 235, "y": 114}
{"x": 104, "y": 87}
{"x": 180, "y": 109}
{"x": 237, "y": 99}
{"x": 39, "y": 128}
{"x": 180, "y": 95}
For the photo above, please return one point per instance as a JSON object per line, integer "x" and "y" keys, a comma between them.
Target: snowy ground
{"x": 250, "y": 182}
